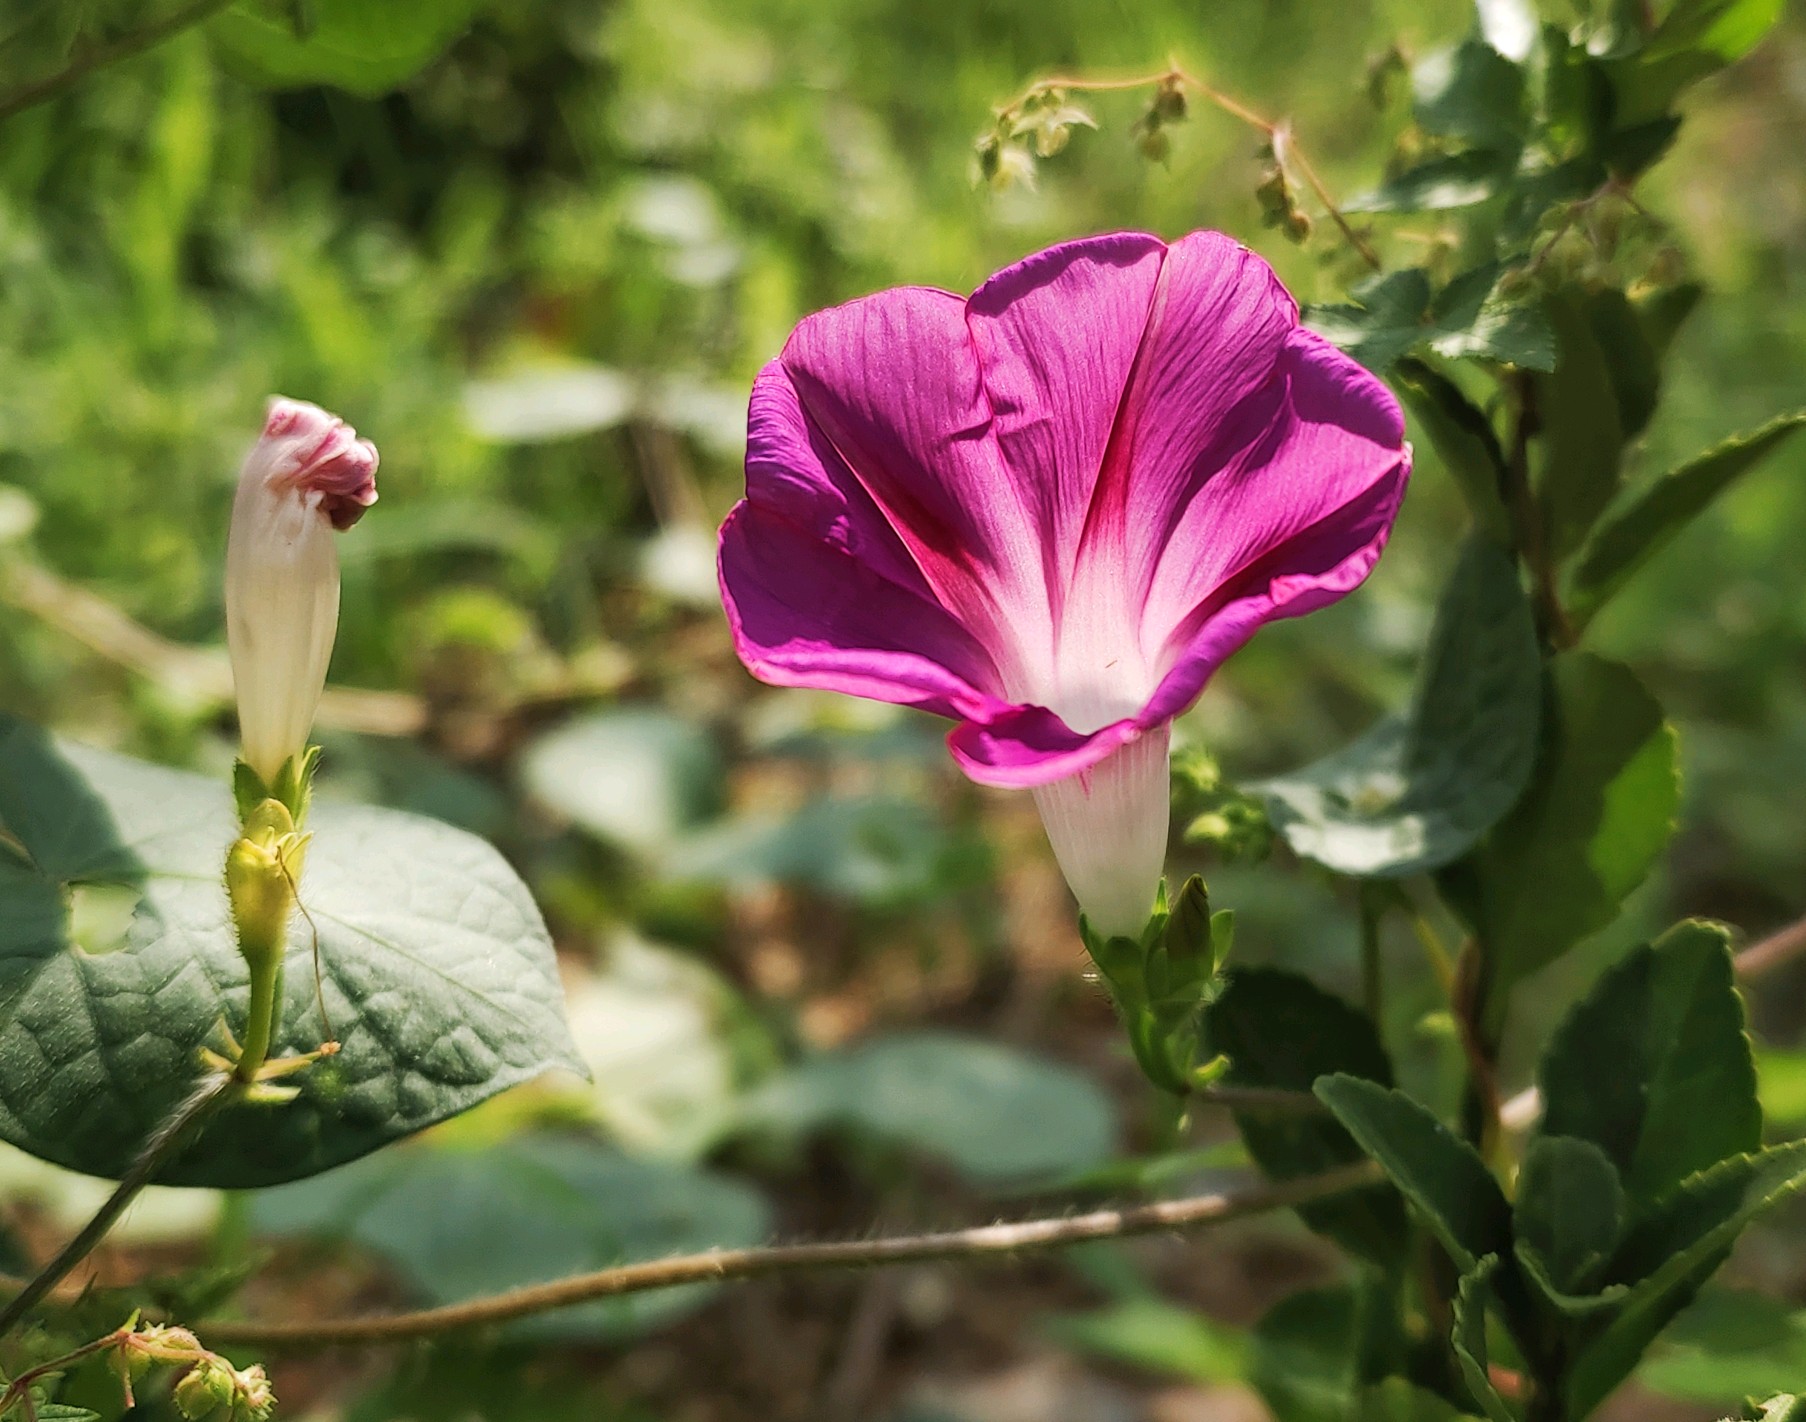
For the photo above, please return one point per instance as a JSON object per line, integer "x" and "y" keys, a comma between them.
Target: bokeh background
{"x": 826, "y": 986}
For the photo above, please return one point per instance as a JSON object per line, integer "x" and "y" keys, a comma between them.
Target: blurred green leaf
{"x": 878, "y": 849}
{"x": 1417, "y": 791}
{"x": 996, "y": 1115}
{"x": 1279, "y": 1029}
{"x": 1599, "y": 809}
{"x": 439, "y": 977}
{"x": 366, "y": 48}
{"x": 1630, "y": 357}
{"x": 639, "y": 778}
{"x": 1440, "y": 184}
{"x": 1650, "y": 515}
{"x": 1568, "y": 1211}
{"x": 1727, "y": 1345}
{"x": 1441, "y": 1175}
{"x": 457, "y": 1224}
{"x": 1781, "y": 1085}
{"x": 1471, "y": 93}
{"x": 1581, "y": 424}
{"x": 1158, "y": 1337}
{"x": 1304, "y": 1354}
{"x": 1653, "y": 1065}
{"x": 1670, "y": 1253}
{"x": 656, "y": 1029}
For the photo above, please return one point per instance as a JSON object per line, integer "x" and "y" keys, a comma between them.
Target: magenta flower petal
{"x": 1051, "y": 511}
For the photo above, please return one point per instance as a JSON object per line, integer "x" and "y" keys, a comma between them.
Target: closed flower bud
{"x": 308, "y": 476}
{"x": 214, "y": 1391}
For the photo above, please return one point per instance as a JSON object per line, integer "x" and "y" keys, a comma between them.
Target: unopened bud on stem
{"x": 308, "y": 476}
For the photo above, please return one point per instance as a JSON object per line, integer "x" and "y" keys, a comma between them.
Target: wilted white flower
{"x": 308, "y": 475}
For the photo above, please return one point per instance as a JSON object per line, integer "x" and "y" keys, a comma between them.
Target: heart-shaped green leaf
{"x": 118, "y": 964}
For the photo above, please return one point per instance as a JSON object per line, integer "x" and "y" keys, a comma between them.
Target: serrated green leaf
{"x": 1417, "y": 792}
{"x": 1469, "y": 1339}
{"x": 1157, "y": 1337}
{"x": 1782, "y": 1407}
{"x": 1472, "y": 94}
{"x": 996, "y": 1115}
{"x": 1304, "y": 1355}
{"x": 1582, "y": 429}
{"x": 458, "y": 1224}
{"x": 1464, "y": 440}
{"x": 1384, "y": 320}
{"x": 635, "y": 777}
{"x": 1473, "y": 319}
{"x": 1569, "y": 1210}
{"x": 439, "y": 978}
{"x": 1670, "y": 1253}
{"x": 1279, "y": 1029}
{"x": 1599, "y": 809}
{"x": 1649, "y": 516}
{"x": 1653, "y": 1066}
{"x": 365, "y": 48}
{"x": 1437, "y": 1172}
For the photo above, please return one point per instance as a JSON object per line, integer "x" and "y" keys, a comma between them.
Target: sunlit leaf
{"x": 1417, "y": 791}
{"x": 438, "y": 976}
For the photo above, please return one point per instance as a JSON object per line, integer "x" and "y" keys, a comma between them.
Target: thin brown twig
{"x": 98, "y": 56}
{"x": 1775, "y": 951}
{"x": 720, "y": 1265}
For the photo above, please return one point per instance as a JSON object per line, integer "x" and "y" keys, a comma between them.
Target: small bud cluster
{"x": 1038, "y": 125}
{"x": 1166, "y": 108}
{"x": 1221, "y": 817}
{"x": 1278, "y": 196}
{"x": 214, "y": 1391}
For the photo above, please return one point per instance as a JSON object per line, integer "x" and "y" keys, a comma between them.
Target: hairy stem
{"x": 716, "y": 1266}
{"x": 169, "y": 1138}
{"x": 97, "y": 56}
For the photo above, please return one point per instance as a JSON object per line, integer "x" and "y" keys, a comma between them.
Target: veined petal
{"x": 892, "y": 384}
{"x": 1057, "y": 336}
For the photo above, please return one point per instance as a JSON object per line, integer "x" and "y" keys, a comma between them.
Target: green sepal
{"x": 1161, "y": 981}
{"x": 293, "y": 787}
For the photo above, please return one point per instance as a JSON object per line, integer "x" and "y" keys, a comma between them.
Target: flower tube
{"x": 308, "y": 475}
{"x": 1051, "y": 510}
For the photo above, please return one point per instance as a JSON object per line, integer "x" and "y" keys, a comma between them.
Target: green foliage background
{"x": 540, "y": 273}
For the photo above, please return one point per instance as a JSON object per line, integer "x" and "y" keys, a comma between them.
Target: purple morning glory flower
{"x": 1051, "y": 510}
